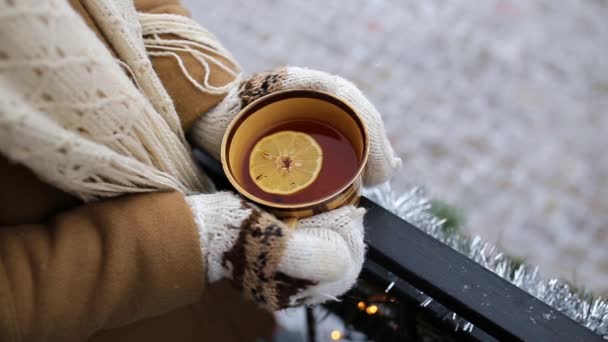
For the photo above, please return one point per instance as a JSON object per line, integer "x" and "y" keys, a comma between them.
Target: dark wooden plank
{"x": 411, "y": 297}
{"x": 498, "y": 307}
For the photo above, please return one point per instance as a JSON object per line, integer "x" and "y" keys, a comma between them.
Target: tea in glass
{"x": 298, "y": 161}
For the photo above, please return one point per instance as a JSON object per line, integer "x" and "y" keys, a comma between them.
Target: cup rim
{"x": 246, "y": 109}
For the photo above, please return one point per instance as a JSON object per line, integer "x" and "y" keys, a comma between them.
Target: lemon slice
{"x": 285, "y": 162}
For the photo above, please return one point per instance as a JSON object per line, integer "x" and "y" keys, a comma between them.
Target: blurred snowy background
{"x": 499, "y": 108}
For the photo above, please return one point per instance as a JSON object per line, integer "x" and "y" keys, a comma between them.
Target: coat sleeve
{"x": 98, "y": 266}
{"x": 190, "y": 103}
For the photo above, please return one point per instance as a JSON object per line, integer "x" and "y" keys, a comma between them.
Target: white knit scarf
{"x": 70, "y": 112}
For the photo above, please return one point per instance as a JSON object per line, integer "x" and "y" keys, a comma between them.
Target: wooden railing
{"x": 501, "y": 310}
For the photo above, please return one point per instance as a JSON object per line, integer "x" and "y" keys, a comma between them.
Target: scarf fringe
{"x": 196, "y": 41}
{"x": 69, "y": 112}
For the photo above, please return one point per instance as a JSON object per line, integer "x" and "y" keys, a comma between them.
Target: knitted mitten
{"x": 209, "y": 129}
{"x": 272, "y": 264}
{"x": 276, "y": 266}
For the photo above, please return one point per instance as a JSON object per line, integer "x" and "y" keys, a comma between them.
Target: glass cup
{"x": 290, "y": 105}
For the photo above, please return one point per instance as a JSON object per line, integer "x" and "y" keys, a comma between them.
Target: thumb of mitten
{"x": 328, "y": 250}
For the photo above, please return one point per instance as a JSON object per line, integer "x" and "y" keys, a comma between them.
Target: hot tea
{"x": 315, "y": 160}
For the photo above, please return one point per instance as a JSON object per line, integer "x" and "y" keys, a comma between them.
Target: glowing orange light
{"x": 336, "y": 335}
{"x": 361, "y": 305}
{"x": 372, "y": 309}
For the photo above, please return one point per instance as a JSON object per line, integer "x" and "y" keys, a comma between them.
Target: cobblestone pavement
{"x": 497, "y": 107}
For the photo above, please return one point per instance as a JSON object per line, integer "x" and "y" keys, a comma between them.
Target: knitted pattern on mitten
{"x": 209, "y": 129}
{"x": 272, "y": 264}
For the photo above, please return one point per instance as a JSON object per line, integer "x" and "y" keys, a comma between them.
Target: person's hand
{"x": 208, "y": 131}
{"x": 272, "y": 264}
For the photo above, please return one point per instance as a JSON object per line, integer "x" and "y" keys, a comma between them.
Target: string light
{"x": 336, "y": 335}
{"x": 371, "y": 310}
{"x": 361, "y": 306}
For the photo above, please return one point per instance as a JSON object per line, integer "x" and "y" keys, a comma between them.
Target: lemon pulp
{"x": 285, "y": 162}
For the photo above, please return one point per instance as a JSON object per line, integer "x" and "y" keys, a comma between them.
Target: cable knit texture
{"x": 274, "y": 265}
{"x": 69, "y": 112}
{"x": 211, "y": 126}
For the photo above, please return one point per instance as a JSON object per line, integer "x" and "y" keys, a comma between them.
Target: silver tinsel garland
{"x": 413, "y": 206}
